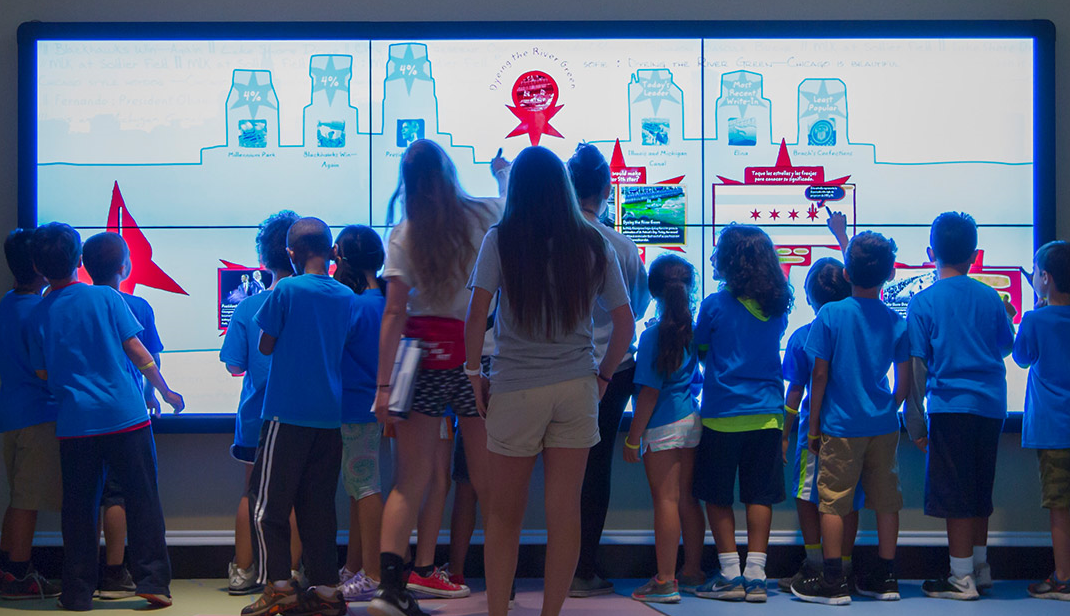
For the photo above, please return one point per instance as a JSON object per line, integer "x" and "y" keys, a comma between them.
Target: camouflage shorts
{"x": 1054, "y": 478}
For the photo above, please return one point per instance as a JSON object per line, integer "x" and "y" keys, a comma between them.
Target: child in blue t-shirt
{"x": 854, "y": 420}
{"x": 959, "y": 334}
{"x": 305, "y": 326}
{"x": 28, "y": 423}
{"x": 359, "y": 255}
{"x": 667, "y": 427}
{"x": 106, "y": 258}
{"x": 738, "y": 336}
{"x": 825, "y": 283}
{"x": 241, "y": 355}
{"x": 80, "y": 342}
{"x": 1043, "y": 346}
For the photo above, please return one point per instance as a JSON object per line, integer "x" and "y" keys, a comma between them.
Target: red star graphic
{"x": 812, "y": 212}
{"x": 793, "y": 214}
{"x": 775, "y": 215}
{"x": 755, "y": 215}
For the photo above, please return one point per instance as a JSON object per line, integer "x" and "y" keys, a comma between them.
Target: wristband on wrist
{"x": 473, "y": 371}
{"x": 384, "y": 386}
{"x": 813, "y": 437}
{"x": 629, "y": 445}
{"x": 790, "y": 411}
{"x": 603, "y": 378}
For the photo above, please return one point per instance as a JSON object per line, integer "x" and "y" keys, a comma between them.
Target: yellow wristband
{"x": 629, "y": 445}
{"x": 147, "y": 366}
{"x": 790, "y": 411}
{"x": 813, "y": 437}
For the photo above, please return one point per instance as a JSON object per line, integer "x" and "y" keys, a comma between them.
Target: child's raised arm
{"x": 819, "y": 379}
{"x": 144, "y": 362}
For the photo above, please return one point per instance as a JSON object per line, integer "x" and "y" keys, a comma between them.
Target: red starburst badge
{"x": 534, "y": 98}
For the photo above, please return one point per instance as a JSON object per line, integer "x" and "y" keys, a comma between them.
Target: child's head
{"x": 590, "y": 173}
{"x": 18, "y": 249}
{"x": 358, "y": 250}
{"x": 105, "y": 256}
{"x": 57, "y": 250}
{"x": 1051, "y": 271}
{"x": 308, "y": 238}
{"x": 271, "y": 242}
{"x": 672, "y": 284}
{"x": 953, "y": 239}
{"x": 746, "y": 261}
{"x": 825, "y": 283}
{"x": 870, "y": 260}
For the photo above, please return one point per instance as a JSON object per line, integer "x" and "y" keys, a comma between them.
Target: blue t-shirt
{"x": 24, "y": 398}
{"x": 241, "y": 348}
{"x": 312, "y": 317}
{"x": 1043, "y": 346}
{"x": 148, "y": 336}
{"x": 798, "y": 364}
{"x": 742, "y": 365}
{"x": 675, "y": 400}
{"x": 77, "y": 335}
{"x": 861, "y": 339}
{"x": 961, "y": 330}
{"x": 360, "y": 363}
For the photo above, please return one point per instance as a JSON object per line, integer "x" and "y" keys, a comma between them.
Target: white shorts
{"x": 682, "y": 434}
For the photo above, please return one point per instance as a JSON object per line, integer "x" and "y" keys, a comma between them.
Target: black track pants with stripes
{"x": 296, "y": 467}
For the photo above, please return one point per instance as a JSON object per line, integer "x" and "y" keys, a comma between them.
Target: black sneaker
{"x": 30, "y": 586}
{"x": 879, "y": 586}
{"x": 116, "y": 583}
{"x": 816, "y": 589}
{"x": 807, "y": 569}
{"x": 950, "y": 587}
{"x": 311, "y": 603}
{"x": 393, "y": 603}
{"x": 592, "y": 587}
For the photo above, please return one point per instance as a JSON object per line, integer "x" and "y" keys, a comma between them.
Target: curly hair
{"x": 672, "y": 284}
{"x": 271, "y": 241}
{"x": 825, "y": 283}
{"x": 747, "y": 263}
{"x": 870, "y": 259}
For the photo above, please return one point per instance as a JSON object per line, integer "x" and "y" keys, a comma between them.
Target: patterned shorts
{"x": 360, "y": 459}
{"x": 437, "y": 389}
{"x": 1054, "y": 478}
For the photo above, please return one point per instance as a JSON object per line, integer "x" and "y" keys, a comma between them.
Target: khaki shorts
{"x": 844, "y": 462}
{"x": 31, "y": 456}
{"x": 1054, "y": 478}
{"x": 522, "y": 423}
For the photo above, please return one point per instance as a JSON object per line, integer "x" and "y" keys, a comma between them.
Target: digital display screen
{"x": 184, "y": 144}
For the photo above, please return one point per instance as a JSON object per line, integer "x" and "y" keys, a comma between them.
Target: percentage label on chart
{"x": 329, "y": 81}
{"x": 407, "y": 69}
{"x": 251, "y": 95}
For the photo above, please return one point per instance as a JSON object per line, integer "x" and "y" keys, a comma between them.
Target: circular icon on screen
{"x": 534, "y": 91}
{"x": 822, "y": 132}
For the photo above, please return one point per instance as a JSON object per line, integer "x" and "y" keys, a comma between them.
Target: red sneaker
{"x": 456, "y": 578}
{"x": 437, "y": 585}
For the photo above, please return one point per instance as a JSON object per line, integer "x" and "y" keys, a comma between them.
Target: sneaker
{"x": 156, "y": 600}
{"x": 590, "y": 587}
{"x": 273, "y": 601}
{"x": 116, "y": 583}
{"x": 312, "y": 603}
{"x": 359, "y": 587}
{"x": 299, "y": 579}
{"x": 656, "y": 591}
{"x": 344, "y": 574}
{"x": 816, "y": 589}
{"x": 720, "y": 587}
{"x": 878, "y": 586}
{"x": 30, "y": 586}
{"x": 962, "y": 589}
{"x": 689, "y": 584}
{"x": 242, "y": 581}
{"x": 437, "y": 585}
{"x": 1051, "y": 588}
{"x": 982, "y": 575}
{"x": 391, "y": 603}
{"x": 756, "y": 591}
{"x": 512, "y": 595}
{"x": 454, "y": 578}
{"x": 806, "y": 569}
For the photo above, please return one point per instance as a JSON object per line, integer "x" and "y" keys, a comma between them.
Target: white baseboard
{"x": 618, "y": 537}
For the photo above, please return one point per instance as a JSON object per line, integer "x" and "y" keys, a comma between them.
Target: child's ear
{"x": 929, "y": 253}
{"x": 973, "y": 256}
{"x": 334, "y": 253}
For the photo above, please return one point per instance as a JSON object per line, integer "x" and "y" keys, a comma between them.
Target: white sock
{"x": 961, "y": 567}
{"x": 980, "y": 555}
{"x": 755, "y": 569}
{"x": 729, "y": 564}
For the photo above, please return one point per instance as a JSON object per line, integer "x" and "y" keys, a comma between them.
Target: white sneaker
{"x": 951, "y": 587}
{"x": 242, "y": 581}
{"x": 343, "y": 575}
{"x": 299, "y": 579}
{"x": 983, "y": 576}
{"x": 359, "y": 587}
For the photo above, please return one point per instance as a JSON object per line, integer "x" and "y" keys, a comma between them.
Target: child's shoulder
{"x": 798, "y": 337}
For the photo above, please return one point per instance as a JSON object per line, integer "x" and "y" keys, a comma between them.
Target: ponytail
{"x": 672, "y": 284}
{"x": 360, "y": 250}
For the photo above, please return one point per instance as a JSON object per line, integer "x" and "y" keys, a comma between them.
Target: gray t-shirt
{"x": 635, "y": 280}
{"x": 523, "y": 363}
